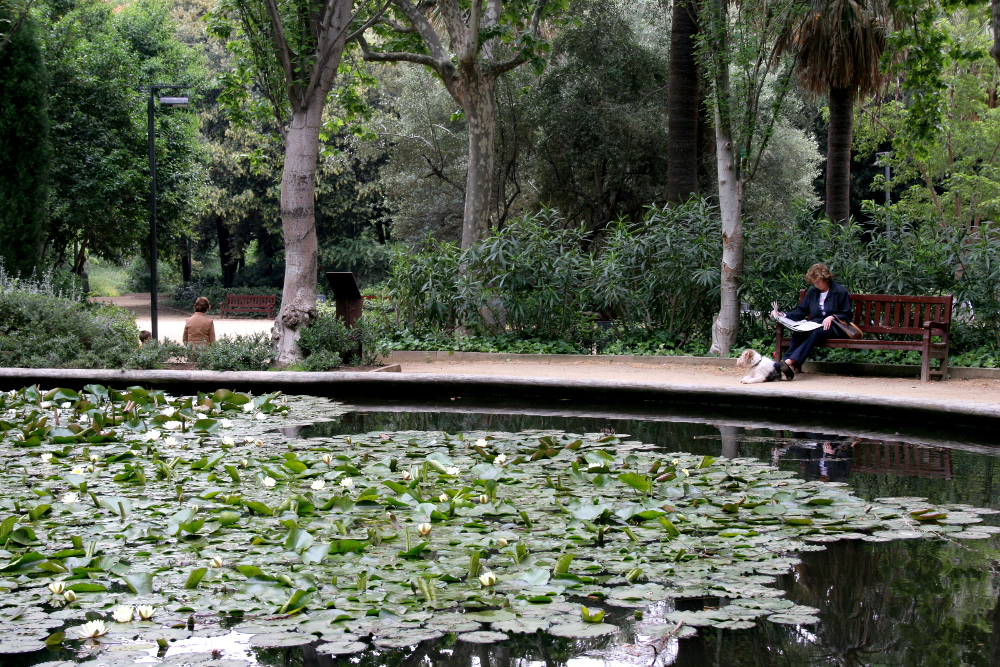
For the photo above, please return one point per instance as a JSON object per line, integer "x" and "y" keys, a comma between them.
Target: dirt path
{"x": 961, "y": 390}
{"x": 171, "y": 320}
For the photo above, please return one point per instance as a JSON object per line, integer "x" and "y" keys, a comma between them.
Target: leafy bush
{"x": 322, "y": 361}
{"x": 327, "y": 342}
{"x": 251, "y": 352}
{"x": 42, "y": 327}
{"x": 154, "y": 353}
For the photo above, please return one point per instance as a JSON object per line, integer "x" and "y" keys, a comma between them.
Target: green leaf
{"x": 636, "y": 481}
{"x": 316, "y": 553}
{"x": 562, "y": 565}
{"x": 26, "y": 562}
{"x": 669, "y": 526}
{"x": 591, "y": 616}
{"x": 259, "y": 508}
{"x": 87, "y": 588}
{"x": 706, "y": 462}
{"x": 298, "y": 540}
{"x": 140, "y": 583}
{"x": 195, "y": 577}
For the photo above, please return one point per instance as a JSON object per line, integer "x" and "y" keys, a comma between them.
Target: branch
{"x": 375, "y": 19}
{"x": 424, "y": 27}
{"x": 282, "y": 45}
{"x": 458, "y": 31}
{"x": 513, "y": 62}
{"x": 17, "y": 24}
{"x": 395, "y": 56}
{"x": 439, "y": 172}
{"x": 399, "y": 27}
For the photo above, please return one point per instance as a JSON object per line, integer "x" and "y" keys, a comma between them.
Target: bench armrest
{"x": 936, "y": 325}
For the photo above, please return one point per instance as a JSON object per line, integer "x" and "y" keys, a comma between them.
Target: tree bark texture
{"x": 995, "y": 11}
{"x": 479, "y": 104}
{"x": 726, "y": 324}
{"x": 683, "y": 101}
{"x": 838, "y": 154}
{"x": 298, "y": 222}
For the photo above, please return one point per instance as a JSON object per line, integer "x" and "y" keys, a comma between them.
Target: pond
{"x": 280, "y": 530}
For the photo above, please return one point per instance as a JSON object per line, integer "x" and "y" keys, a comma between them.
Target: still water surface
{"x": 909, "y": 602}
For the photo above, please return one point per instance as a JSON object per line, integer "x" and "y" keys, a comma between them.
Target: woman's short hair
{"x": 201, "y": 305}
{"x": 818, "y": 272}
{"x": 145, "y": 335}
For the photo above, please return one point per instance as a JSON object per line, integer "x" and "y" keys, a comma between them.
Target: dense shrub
{"x": 327, "y": 343}
{"x": 252, "y": 352}
{"x": 40, "y": 327}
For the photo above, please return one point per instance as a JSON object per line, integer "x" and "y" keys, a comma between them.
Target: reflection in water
{"x": 896, "y": 603}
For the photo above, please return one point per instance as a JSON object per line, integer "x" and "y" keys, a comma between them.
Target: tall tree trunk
{"x": 995, "y": 13}
{"x": 838, "y": 154}
{"x": 730, "y": 445}
{"x": 479, "y": 104}
{"x": 186, "y": 260}
{"x": 683, "y": 103}
{"x": 298, "y": 221}
{"x": 726, "y": 323}
{"x": 226, "y": 256}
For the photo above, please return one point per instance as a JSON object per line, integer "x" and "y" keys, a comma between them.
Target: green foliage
{"x": 322, "y": 361}
{"x": 25, "y": 150}
{"x": 99, "y": 56}
{"x": 40, "y": 327}
{"x": 326, "y": 333}
{"x": 251, "y": 352}
{"x": 153, "y": 353}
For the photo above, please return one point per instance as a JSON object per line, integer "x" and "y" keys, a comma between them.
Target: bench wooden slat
{"x": 897, "y": 315}
{"x": 250, "y": 303}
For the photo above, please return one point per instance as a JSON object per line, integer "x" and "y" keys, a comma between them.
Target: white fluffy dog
{"x": 762, "y": 369}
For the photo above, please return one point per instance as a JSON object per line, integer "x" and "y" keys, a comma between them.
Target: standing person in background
{"x": 199, "y": 329}
{"x": 825, "y": 302}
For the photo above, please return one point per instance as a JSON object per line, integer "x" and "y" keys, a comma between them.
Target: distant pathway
{"x": 171, "y": 320}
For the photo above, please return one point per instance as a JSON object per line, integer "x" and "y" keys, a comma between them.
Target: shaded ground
{"x": 961, "y": 390}
{"x": 171, "y": 320}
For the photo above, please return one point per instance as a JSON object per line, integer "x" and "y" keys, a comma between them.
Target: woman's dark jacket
{"x": 837, "y": 303}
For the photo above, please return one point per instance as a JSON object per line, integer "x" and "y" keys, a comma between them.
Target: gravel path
{"x": 171, "y": 320}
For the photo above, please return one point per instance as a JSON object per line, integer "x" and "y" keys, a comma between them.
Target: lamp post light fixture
{"x": 151, "y": 133}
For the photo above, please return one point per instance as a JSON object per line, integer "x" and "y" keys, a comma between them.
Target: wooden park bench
{"x": 250, "y": 303}
{"x": 911, "y": 320}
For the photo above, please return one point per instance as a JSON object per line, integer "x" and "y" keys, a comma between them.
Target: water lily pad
{"x": 793, "y": 619}
{"x": 281, "y": 639}
{"x": 404, "y": 638}
{"x": 523, "y": 625}
{"x": 583, "y": 630}
{"x": 341, "y": 648}
{"x": 21, "y": 645}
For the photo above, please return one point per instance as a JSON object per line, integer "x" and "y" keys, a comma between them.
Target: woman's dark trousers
{"x": 803, "y": 343}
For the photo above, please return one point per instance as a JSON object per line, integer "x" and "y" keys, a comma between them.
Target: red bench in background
{"x": 914, "y": 316}
{"x": 250, "y": 303}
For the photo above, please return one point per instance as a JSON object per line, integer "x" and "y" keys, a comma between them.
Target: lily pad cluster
{"x": 197, "y": 510}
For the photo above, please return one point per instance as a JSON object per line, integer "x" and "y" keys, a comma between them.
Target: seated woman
{"x": 824, "y": 302}
{"x": 199, "y": 328}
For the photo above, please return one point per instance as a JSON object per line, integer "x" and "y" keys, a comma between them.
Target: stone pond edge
{"x": 349, "y": 387}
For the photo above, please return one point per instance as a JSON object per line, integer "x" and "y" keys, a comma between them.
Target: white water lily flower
{"x": 500, "y": 460}
{"x": 327, "y": 459}
{"x": 686, "y": 473}
{"x": 481, "y": 442}
{"x": 122, "y": 614}
{"x": 675, "y": 461}
{"x": 501, "y": 542}
{"x": 145, "y": 612}
{"x": 260, "y": 416}
{"x": 488, "y": 578}
{"x": 168, "y": 412}
{"x": 407, "y": 476}
{"x": 46, "y": 457}
{"x": 69, "y": 498}
{"x": 228, "y": 441}
{"x": 45, "y": 405}
{"x": 347, "y": 482}
{"x": 57, "y": 587}
{"x": 244, "y": 463}
{"x": 259, "y": 443}
{"x": 84, "y": 419}
{"x": 424, "y": 529}
{"x": 69, "y": 596}
{"x": 91, "y": 630}
{"x": 269, "y": 482}
{"x": 226, "y": 423}
{"x": 77, "y": 470}
{"x": 171, "y": 442}
{"x": 484, "y": 499}
{"x": 248, "y": 439}
{"x": 317, "y": 485}
{"x": 152, "y": 435}
{"x": 90, "y": 468}
{"x": 248, "y": 407}
{"x": 65, "y": 405}
{"x": 216, "y": 561}
{"x": 453, "y": 471}
{"x": 94, "y": 458}
{"x": 444, "y": 497}
{"x": 172, "y": 425}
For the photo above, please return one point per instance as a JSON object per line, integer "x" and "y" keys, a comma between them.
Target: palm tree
{"x": 683, "y": 103}
{"x": 837, "y": 46}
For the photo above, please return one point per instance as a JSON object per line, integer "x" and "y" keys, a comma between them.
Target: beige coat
{"x": 199, "y": 329}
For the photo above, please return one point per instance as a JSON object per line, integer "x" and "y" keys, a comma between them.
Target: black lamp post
{"x": 165, "y": 102}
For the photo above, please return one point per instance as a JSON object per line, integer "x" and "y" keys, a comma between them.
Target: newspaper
{"x": 801, "y": 325}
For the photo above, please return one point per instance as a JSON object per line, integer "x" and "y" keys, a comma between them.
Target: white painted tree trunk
{"x": 726, "y": 323}
{"x": 298, "y": 221}
{"x": 480, "y": 112}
